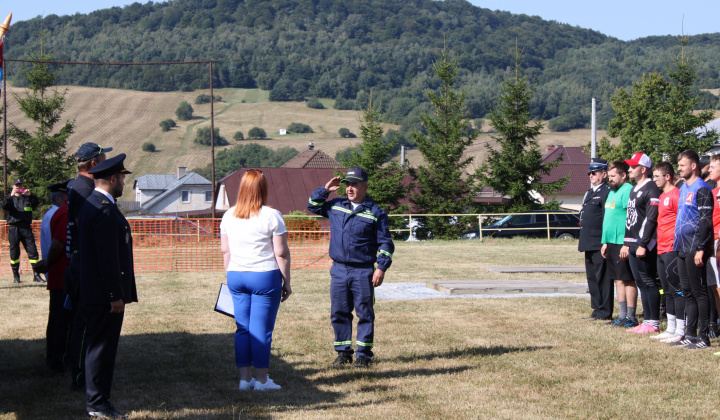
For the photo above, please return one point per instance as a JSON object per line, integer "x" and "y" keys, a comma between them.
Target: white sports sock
{"x": 672, "y": 320}
{"x": 680, "y": 327}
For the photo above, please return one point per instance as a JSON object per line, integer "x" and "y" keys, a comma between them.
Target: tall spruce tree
{"x": 443, "y": 187}
{"x": 385, "y": 179}
{"x": 43, "y": 158}
{"x": 657, "y": 116}
{"x": 516, "y": 169}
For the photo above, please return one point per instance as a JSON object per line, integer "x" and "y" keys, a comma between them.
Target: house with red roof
{"x": 575, "y": 163}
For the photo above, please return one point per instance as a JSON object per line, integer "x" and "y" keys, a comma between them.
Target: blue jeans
{"x": 256, "y": 299}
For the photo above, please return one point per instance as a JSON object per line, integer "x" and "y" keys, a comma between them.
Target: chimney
{"x": 311, "y": 146}
{"x": 182, "y": 170}
{"x": 550, "y": 148}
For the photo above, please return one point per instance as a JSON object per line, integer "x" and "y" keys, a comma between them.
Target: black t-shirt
{"x": 642, "y": 213}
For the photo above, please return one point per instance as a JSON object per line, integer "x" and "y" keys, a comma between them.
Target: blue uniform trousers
{"x": 351, "y": 288}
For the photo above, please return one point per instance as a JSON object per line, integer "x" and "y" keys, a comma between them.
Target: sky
{"x": 623, "y": 19}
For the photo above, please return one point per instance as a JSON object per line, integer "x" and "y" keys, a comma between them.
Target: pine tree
{"x": 385, "y": 179}
{"x": 43, "y": 158}
{"x": 442, "y": 184}
{"x": 516, "y": 169}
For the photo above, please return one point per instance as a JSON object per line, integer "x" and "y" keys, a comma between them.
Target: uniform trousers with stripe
{"x": 22, "y": 233}
{"x": 351, "y": 288}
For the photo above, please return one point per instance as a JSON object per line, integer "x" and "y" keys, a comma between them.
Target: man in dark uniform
{"x": 107, "y": 281}
{"x": 19, "y": 205}
{"x": 591, "y": 220}
{"x": 88, "y": 156}
{"x": 359, "y": 237}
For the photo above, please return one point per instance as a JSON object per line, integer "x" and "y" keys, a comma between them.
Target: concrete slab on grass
{"x": 495, "y": 287}
{"x": 390, "y": 291}
{"x": 538, "y": 269}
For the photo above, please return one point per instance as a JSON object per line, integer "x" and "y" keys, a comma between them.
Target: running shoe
{"x": 662, "y": 335}
{"x": 698, "y": 346}
{"x": 619, "y": 322}
{"x": 713, "y": 334}
{"x": 269, "y": 385}
{"x": 245, "y": 385}
{"x": 636, "y": 328}
{"x": 673, "y": 339}
{"x": 630, "y": 323}
{"x": 683, "y": 342}
{"x": 645, "y": 328}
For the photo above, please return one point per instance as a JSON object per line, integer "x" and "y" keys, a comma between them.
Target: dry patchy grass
{"x": 449, "y": 358}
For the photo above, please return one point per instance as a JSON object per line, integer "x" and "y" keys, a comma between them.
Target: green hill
{"x": 345, "y": 49}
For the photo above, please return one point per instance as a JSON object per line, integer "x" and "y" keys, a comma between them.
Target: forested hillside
{"x": 344, "y": 49}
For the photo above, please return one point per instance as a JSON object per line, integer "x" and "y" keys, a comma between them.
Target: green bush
{"x": 203, "y": 137}
{"x": 238, "y": 136}
{"x": 315, "y": 104}
{"x": 566, "y": 122}
{"x": 299, "y": 128}
{"x": 257, "y": 133}
{"x": 148, "y": 147}
{"x": 205, "y": 99}
{"x": 166, "y": 125}
{"x": 184, "y": 111}
{"x": 346, "y": 134}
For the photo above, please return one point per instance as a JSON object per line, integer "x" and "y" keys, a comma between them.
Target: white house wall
{"x": 172, "y": 203}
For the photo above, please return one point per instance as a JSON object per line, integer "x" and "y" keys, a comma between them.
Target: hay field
{"x": 522, "y": 358}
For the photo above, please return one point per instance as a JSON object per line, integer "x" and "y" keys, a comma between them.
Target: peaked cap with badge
{"x": 110, "y": 167}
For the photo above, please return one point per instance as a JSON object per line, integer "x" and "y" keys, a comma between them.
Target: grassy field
{"x": 522, "y": 358}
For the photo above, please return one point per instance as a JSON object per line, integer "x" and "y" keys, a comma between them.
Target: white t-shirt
{"x": 250, "y": 240}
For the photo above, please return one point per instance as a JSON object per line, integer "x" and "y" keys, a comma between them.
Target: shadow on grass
{"x": 183, "y": 375}
{"x": 24, "y": 285}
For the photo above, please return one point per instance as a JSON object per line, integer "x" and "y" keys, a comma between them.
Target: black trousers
{"x": 22, "y": 233}
{"x": 58, "y": 330}
{"x": 601, "y": 288}
{"x": 645, "y": 273}
{"x": 77, "y": 345}
{"x": 102, "y": 336}
{"x": 667, "y": 265}
{"x": 694, "y": 287}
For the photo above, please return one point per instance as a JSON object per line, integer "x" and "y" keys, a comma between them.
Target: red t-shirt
{"x": 667, "y": 213}
{"x": 716, "y": 212}
{"x": 58, "y": 231}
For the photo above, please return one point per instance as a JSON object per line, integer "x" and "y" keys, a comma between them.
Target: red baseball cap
{"x": 639, "y": 159}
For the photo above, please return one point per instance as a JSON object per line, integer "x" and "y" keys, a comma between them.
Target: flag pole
{"x": 4, "y": 28}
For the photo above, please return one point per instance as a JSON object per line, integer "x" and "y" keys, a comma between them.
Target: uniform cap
{"x": 89, "y": 150}
{"x": 109, "y": 167}
{"x": 18, "y": 181}
{"x": 597, "y": 164}
{"x": 704, "y": 160}
{"x": 356, "y": 174}
{"x": 60, "y": 186}
{"x": 639, "y": 159}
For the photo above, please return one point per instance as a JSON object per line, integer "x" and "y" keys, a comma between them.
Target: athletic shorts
{"x": 617, "y": 269}
{"x": 712, "y": 268}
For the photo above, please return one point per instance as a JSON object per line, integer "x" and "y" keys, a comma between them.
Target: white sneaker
{"x": 245, "y": 385}
{"x": 269, "y": 385}
{"x": 663, "y": 335}
{"x": 673, "y": 339}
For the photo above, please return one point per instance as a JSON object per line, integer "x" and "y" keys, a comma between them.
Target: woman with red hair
{"x": 253, "y": 239}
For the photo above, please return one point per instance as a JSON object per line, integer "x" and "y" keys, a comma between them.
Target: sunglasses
{"x": 593, "y": 173}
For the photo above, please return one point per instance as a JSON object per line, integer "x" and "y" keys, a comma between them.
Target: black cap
{"x": 18, "y": 181}
{"x": 356, "y": 174}
{"x": 597, "y": 164}
{"x": 60, "y": 186}
{"x": 89, "y": 150}
{"x": 704, "y": 160}
{"x": 109, "y": 167}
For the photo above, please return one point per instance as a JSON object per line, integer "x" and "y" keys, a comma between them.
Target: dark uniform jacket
{"x": 105, "y": 251}
{"x": 591, "y": 218}
{"x": 20, "y": 209}
{"x": 81, "y": 188}
{"x": 356, "y": 236}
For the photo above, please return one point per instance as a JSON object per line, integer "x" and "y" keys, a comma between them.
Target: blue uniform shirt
{"x": 356, "y": 236}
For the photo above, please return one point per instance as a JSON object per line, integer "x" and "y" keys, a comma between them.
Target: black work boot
{"x": 16, "y": 272}
{"x": 342, "y": 359}
{"x": 37, "y": 277}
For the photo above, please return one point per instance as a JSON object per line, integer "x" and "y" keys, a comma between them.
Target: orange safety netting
{"x": 194, "y": 245}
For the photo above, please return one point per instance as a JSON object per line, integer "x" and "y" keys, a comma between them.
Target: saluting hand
{"x": 333, "y": 184}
